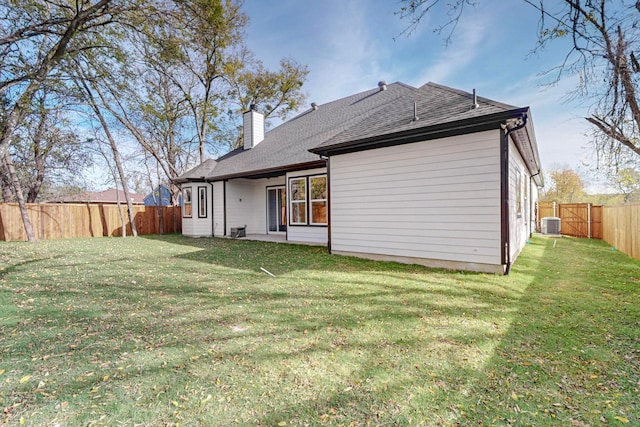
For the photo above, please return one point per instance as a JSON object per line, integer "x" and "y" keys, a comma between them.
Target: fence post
{"x": 588, "y": 220}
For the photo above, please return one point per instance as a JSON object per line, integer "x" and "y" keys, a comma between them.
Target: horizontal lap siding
{"x": 247, "y": 203}
{"x": 436, "y": 199}
{"x": 518, "y": 224}
{"x": 196, "y": 226}
{"x": 218, "y": 209}
{"x": 316, "y": 234}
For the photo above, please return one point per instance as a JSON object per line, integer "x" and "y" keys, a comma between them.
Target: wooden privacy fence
{"x": 576, "y": 219}
{"x": 66, "y": 220}
{"x": 622, "y": 228}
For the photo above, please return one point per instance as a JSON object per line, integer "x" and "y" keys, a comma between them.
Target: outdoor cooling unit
{"x": 550, "y": 225}
{"x": 238, "y": 232}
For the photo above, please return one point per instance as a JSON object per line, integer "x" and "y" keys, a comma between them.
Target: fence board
{"x": 621, "y": 226}
{"x": 543, "y": 210}
{"x": 65, "y": 220}
{"x": 576, "y": 219}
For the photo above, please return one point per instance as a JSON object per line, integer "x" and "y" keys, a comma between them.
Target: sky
{"x": 350, "y": 45}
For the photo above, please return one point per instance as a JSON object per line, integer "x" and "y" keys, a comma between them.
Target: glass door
{"x": 276, "y": 209}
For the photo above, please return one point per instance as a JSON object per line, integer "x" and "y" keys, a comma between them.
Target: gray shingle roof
{"x": 435, "y": 105}
{"x": 364, "y": 115}
{"x": 204, "y": 169}
{"x": 289, "y": 143}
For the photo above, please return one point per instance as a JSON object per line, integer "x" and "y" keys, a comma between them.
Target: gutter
{"x": 440, "y": 130}
{"x": 504, "y": 163}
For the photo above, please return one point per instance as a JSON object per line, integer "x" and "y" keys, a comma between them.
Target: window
{"x": 202, "y": 202}
{"x": 298, "y": 191}
{"x": 308, "y": 200}
{"x": 318, "y": 187}
{"x": 186, "y": 202}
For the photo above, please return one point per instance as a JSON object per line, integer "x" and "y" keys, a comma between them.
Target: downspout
{"x": 328, "y": 205}
{"x": 505, "y": 192}
{"x": 531, "y": 210}
{"x": 224, "y": 206}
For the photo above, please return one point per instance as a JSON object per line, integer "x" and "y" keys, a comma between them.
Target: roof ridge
{"x": 468, "y": 94}
{"x": 355, "y": 95}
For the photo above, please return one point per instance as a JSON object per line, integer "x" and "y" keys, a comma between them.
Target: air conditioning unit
{"x": 550, "y": 225}
{"x": 238, "y": 232}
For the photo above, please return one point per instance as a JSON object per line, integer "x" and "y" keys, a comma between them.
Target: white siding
{"x": 518, "y": 224}
{"x": 196, "y": 226}
{"x": 247, "y": 204}
{"x": 309, "y": 233}
{"x": 534, "y": 201}
{"x": 218, "y": 209}
{"x": 431, "y": 200}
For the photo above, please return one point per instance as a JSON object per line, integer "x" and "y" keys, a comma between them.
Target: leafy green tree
{"x": 627, "y": 182}
{"x": 564, "y": 186}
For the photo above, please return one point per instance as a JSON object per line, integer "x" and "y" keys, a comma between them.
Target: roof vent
{"x": 314, "y": 106}
{"x": 415, "y": 111}
{"x": 475, "y": 101}
{"x": 382, "y": 85}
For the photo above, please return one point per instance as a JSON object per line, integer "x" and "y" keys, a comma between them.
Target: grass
{"x": 168, "y": 331}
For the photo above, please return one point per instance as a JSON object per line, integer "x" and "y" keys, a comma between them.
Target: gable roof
{"x": 362, "y": 121}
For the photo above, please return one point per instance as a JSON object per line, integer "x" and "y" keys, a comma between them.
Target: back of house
{"x": 431, "y": 175}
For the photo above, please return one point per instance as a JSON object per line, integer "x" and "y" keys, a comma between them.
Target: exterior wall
{"x": 218, "y": 209}
{"x": 434, "y": 202}
{"x": 306, "y": 233}
{"x": 535, "y": 197}
{"x": 520, "y": 214}
{"x": 197, "y": 226}
{"x": 247, "y": 203}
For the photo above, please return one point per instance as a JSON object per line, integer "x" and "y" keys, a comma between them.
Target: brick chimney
{"x": 253, "y": 127}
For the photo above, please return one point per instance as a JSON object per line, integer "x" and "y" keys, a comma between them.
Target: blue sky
{"x": 348, "y": 46}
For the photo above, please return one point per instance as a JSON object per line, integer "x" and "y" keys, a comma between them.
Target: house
{"x": 430, "y": 175}
{"x": 110, "y": 196}
{"x": 160, "y": 196}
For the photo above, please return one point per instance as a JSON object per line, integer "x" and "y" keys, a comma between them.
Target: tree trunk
{"x": 116, "y": 158}
{"x": 5, "y": 181}
{"x": 28, "y": 228}
{"x": 123, "y": 180}
{"x": 38, "y": 155}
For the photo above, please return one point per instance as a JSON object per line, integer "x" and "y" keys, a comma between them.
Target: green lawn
{"x": 166, "y": 330}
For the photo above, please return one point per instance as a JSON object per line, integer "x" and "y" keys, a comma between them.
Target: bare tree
{"x": 604, "y": 44}
{"x": 84, "y": 83}
{"x": 35, "y": 37}
{"x": 49, "y": 28}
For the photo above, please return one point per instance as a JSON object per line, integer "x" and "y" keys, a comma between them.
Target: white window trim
{"x": 311, "y": 221}
{"x": 299, "y": 202}
{"x": 187, "y": 201}
{"x": 202, "y": 202}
